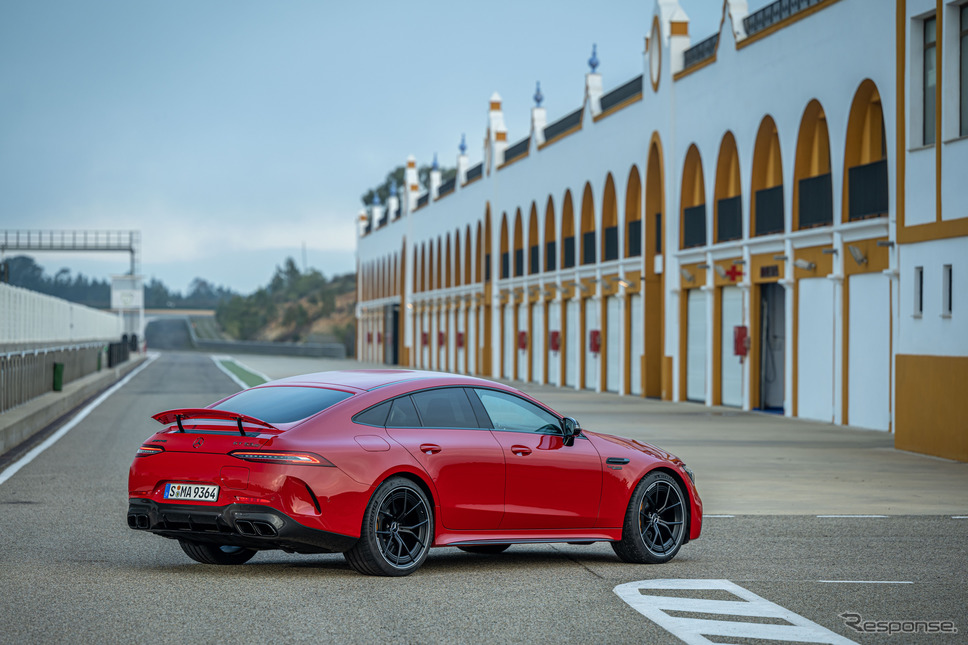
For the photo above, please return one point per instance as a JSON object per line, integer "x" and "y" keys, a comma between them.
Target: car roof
{"x": 365, "y": 380}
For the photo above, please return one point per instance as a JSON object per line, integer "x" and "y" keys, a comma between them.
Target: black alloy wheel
{"x": 397, "y": 530}
{"x": 655, "y": 522}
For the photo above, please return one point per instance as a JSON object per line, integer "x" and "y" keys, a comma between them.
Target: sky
{"x": 235, "y": 133}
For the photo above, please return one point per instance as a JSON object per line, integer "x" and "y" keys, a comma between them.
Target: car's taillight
{"x": 147, "y": 450}
{"x": 277, "y": 457}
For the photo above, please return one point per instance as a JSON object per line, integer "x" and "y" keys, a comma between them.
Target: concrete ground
{"x": 746, "y": 462}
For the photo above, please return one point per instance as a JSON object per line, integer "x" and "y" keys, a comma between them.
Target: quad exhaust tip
{"x": 138, "y": 521}
{"x": 255, "y": 528}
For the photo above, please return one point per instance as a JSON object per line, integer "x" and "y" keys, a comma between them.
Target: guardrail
{"x": 314, "y": 350}
{"x": 29, "y": 373}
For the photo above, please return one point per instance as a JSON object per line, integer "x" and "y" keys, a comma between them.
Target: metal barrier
{"x": 27, "y": 374}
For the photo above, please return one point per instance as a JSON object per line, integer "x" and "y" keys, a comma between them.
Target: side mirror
{"x": 569, "y": 430}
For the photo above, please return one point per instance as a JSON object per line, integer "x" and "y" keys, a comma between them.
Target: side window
{"x": 375, "y": 416}
{"x": 445, "y": 408}
{"x": 508, "y": 412}
{"x": 403, "y": 414}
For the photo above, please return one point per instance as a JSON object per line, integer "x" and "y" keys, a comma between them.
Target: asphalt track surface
{"x": 71, "y": 570}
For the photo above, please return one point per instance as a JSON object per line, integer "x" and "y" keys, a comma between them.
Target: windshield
{"x": 282, "y": 404}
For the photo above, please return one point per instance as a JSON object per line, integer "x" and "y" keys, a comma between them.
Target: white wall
{"x": 31, "y": 317}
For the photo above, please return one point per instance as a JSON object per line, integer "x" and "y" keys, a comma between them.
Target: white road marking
{"x": 12, "y": 469}
{"x": 217, "y": 359}
{"x": 959, "y": 517}
{"x": 719, "y": 516}
{"x": 694, "y": 631}
{"x": 870, "y": 582}
{"x": 856, "y": 516}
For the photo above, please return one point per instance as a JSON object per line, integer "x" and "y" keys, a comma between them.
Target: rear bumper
{"x": 246, "y": 525}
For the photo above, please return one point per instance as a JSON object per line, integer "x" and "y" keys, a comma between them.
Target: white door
{"x": 522, "y": 353}
{"x": 869, "y": 352}
{"x": 571, "y": 343}
{"x": 637, "y": 342}
{"x": 696, "y": 346}
{"x": 508, "y": 336}
{"x": 554, "y": 357}
{"x": 613, "y": 364}
{"x": 732, "y": 367}
{"x": 592, "y": 360}
{"x": 815, "y": 349}
{"x": 537, "y": 342}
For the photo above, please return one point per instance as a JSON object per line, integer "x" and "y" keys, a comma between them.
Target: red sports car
{"x": 381, "y": 465}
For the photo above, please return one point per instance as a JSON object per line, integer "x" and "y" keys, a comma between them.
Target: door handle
{"x": 521, "y": 451}
{"x": 429, "y": 448}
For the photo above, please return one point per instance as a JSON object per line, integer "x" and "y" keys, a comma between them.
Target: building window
{"x": 918, "y": 291}
{"x": 929, "y": 80}
{"x": 946, "y": 291}
{"x": 964, "y": 71}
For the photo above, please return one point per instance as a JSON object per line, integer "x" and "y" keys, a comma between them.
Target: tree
{"x": 396, "y": 176}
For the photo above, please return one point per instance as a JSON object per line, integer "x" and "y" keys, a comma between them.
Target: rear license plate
{"x": 195, "y": 492}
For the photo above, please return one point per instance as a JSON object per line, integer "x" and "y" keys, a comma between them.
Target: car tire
{"x": 216, "y": 553}
{"x": 485, "y": 549}
{"x": 397, "y": 531}
{"x": 655, "y": 522}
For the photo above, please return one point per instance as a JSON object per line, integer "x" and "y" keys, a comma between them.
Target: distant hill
{"x": 296, "y": 306}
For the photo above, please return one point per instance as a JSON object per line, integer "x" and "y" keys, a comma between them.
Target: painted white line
{"x": 218, "y": 363}
{"x": 694, "y": 631}
{"x": 218, "y": 358}
{"x": 719, "y": 516}
{"x": 12, "y": 469}
{"x": 855, "y": 516}
{"x": 869, "y": 582}
{"x": 959, "y": 517}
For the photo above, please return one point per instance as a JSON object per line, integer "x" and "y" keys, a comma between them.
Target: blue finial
{"x": 434, "y": 166}
{"x": 463, "y": 144}
{"x": 538, "y": 96}
{"x": 376, "y": 199}
{"x": 393, "y": 189}
{"x": 593, "y": 61}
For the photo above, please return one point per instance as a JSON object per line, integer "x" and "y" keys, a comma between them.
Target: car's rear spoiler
{"x": 177, "y": 415}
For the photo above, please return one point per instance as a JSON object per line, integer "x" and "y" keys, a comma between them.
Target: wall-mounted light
{"x": 806, "y": 265}
{"x": 686, "y": 274}
{"x": 829, "y": 251}
{"x": 720, "y": 271}
{"x": 780, "y": 257}
{"x": 885, "y": 242}
{"x": 740, "y": 261}
{"x": 702, "y": 266}
{"x": 857, "y": 254}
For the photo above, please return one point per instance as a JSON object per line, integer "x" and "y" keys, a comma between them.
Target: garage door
{"x": 815, "y": 349}
{"x": 696, "y": 346}
{"x": 732, "y": 374}
{"x": 537, "y": 342}
{"x": 571, "y": 343}
{"x": 554, "y": 358}
{"x": 869, "y": 352}
{"x": 613, "y": 364}
{"x": 636, "y": 342}
{"x": 461, "y": 329}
